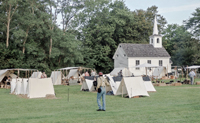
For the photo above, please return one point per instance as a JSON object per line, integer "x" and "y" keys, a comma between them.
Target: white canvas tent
{"x": 56, "y": 77}
{"x": 149, "y": 86}
{"x": 38, "y": 88}
{"x": 36, "y": 75}
{"x": 13, "y": 85}
{"x": 114, "y": 85}
{"x": 87, "y": 84}
{"x": 133, "y": 86}
{"x": 158, "y": 72}
{"x": 17, "y": 90}
{"x": 125, "y": 72}
{"x": 73, "y": 72}
{"x": 24, "y": 86}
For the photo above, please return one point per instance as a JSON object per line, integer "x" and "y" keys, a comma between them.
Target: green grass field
{"x": 168, "y": 104}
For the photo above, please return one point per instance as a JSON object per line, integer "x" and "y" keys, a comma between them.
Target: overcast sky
{"x": 175, "y": 11}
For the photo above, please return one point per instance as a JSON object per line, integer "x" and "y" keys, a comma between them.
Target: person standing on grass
{"x": 101, "y": 84}
{"x": 192, "y": 75}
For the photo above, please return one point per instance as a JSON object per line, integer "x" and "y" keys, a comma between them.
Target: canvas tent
{"x": 24, "y": 86}
{"x": 18, "y": 86}
{"x": 114, "y": 85}
{"x": 38, "y": 88}
{"x": 87, "y": 84}
{"x": 13, "y": 85}
{"x": 133, "y": 86}
{"x": 73, "y": 72}
{"x": 56, "y": 77}
{"x": 125, "y": 72}
{"x": 148, "y": 84}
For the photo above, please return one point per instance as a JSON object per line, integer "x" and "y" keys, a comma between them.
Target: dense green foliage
{"x": 170, "y": 104}
{"x": 31, "y": 35}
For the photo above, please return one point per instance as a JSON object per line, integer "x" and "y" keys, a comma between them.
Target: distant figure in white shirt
{"x": 150, "y": 74}
{"x": 192, "y": 75}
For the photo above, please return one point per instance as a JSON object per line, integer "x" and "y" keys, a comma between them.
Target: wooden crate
{"x": 161, "y": 84}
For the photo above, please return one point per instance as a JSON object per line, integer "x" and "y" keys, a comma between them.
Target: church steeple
{"x": 155, "y": 39}
{"x": 155, "y": 28}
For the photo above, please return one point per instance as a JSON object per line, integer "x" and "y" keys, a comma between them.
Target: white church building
{"x": 129, "y": 55}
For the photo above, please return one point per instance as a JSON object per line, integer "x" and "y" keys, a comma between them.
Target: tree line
{"x": 50, "y": 34}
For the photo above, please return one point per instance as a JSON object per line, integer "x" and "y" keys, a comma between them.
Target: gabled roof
{"x": 143, "y": 50}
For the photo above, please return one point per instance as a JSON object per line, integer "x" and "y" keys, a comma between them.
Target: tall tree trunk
{"x": 23, "y": 50}
{"x": 50, "y": 47}
{"x": 7, "y": 38}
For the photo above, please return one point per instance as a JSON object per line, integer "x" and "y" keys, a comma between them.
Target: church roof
{"x": 143, "y": 50}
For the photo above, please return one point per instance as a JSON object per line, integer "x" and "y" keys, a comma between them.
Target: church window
{"x": 160, "y": 63}
{"x": 137, "y": 62}
{"x": 152, "y": 41}
{"x": 157, "y": 40}
{"x": 149, "y": 61}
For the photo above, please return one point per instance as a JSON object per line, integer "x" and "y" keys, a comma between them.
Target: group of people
{"x": 93, "y": 73}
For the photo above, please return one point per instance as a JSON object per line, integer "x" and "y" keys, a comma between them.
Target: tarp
{"x": 193, "y": 67}
{"x": 24, "y": 86}
{"x": 3, "y": 74}
{"x": 36, "y": 75}
{"x": 73, "y": 72}
{"x": 149, "y": 86}
{"x": 125, "y": 72}
{"x": 38, "y": 88}
{"x": 133, "y": 86}
{"x": 56, "y": 77}
{"x": 146, "y": 65}
{"x": 68, "y": 68}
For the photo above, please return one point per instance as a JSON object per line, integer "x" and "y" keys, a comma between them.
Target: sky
{"x": 174, "y": 11}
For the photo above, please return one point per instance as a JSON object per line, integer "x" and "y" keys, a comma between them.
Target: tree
{"x": 193, "y": 23}
{"x": 8, "y": 8}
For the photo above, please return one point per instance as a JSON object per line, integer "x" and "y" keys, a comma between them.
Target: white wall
{"x": 154, "y": 61}
{"x": 120, "y": 58}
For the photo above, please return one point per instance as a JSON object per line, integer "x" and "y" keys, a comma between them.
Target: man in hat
{"x": 192, "y": 75}
{"x": 101, "y": 87}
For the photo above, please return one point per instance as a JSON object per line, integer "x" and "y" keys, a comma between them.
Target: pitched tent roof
{"x": 143, "y": 50}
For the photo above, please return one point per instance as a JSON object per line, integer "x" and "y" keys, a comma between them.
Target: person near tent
{"x": 192, "y": 75}
{"x": 120, "y": 73}
{"x": 150, "y": 73}
{"x": 87, "y": 74}
{"x": 93, "y": 73}
{"x": 101, "y": 87}
{"x": 43, "y": 75}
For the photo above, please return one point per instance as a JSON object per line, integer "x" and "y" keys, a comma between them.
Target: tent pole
{"x": 18, "y": 72}
{"x": 122, "y": 89}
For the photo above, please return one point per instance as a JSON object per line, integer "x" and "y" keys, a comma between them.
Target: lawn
{"x": 168, "y": 104}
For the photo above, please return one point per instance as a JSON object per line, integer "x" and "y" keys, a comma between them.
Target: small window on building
{"x": 117, "y": 55}
{"x": 152, "y": 41}
{"x": 149, "y": 61}
{"x": 120, "y": 46}
{"x": 124, "y": 55}
{"x": 137, "y": 62}
{"x": 160, "y": 63}
{"x": 157, "y": 40}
